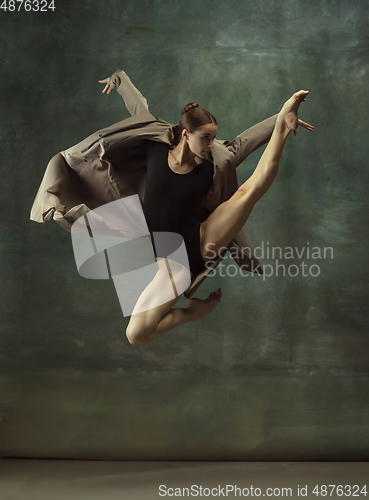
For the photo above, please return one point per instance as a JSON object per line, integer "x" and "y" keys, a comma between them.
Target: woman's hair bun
{"x": 189, "y": 106}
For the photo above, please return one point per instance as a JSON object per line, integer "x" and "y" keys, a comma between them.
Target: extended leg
{"x": 228, "y": 218}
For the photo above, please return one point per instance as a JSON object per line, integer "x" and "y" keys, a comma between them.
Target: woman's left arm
{"x": 253, "y": 138}
{"x": 250, "y": 140}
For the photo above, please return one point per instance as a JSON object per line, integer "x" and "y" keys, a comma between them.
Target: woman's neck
{"x": 183, "y": 155}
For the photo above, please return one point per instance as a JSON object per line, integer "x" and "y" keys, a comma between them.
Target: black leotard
{"x": 171, "y": 198}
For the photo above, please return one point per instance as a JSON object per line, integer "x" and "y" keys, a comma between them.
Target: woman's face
{"x": 201, "y": 142}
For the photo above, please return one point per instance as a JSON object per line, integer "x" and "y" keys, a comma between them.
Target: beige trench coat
{"x": 111, "y": 164}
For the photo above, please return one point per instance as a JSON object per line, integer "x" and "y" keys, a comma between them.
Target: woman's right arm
{"x": 135, "y": 102}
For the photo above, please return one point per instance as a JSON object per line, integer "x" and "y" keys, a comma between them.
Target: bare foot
{"x": 200, "y": 308}
{"x": 288, "y": 113}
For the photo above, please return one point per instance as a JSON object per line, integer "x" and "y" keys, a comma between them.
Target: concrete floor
{"x": 39, "y": 479}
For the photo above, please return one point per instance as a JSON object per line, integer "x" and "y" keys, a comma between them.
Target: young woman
{"x": 175, "y": 184}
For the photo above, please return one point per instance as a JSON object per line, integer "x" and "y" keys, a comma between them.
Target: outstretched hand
{"x": 107, "y": 86}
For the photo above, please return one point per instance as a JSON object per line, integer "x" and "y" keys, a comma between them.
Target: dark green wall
{"x": 279, "y": 370}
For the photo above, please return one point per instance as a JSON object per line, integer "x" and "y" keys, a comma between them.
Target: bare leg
{"x": 156, "y": 320}
{"x": 228, "y": 218}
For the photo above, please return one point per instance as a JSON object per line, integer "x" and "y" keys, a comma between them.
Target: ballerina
{"x": 218, "y": 230}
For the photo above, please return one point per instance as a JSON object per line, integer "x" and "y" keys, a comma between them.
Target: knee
{"x": 137, "y": 336}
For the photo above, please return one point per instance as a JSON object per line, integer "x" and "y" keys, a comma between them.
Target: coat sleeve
{"x": 250, "y": 140}
{"x": 135, "y": 102}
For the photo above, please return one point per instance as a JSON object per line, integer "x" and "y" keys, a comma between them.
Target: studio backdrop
{"x": 279, "y": 369}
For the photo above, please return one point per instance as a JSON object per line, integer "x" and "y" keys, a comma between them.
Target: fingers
{"x": 107, "y": 86}
{"x": 305, "y": 125}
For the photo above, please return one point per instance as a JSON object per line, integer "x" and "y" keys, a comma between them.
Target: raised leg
{"x": 228, "y": 218}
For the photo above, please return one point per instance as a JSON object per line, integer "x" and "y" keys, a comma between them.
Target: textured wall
{"x": 279, "y": 370}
